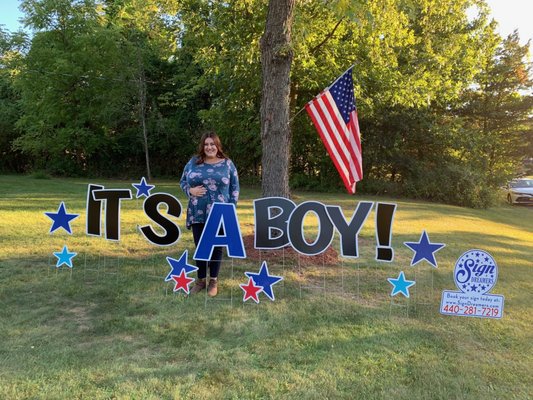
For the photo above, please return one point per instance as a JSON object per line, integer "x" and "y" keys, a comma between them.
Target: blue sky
{"x": 9, "y": 14}
{"x": 510, "y": 14}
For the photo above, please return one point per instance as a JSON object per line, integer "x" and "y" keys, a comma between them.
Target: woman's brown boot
{"x": 199, "y": 286}
{"x": 212, "y": 289}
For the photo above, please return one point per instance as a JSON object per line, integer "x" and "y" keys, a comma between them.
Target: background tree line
{"x": 123, "y": 88}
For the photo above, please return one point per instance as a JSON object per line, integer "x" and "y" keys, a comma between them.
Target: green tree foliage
{"x": 75, "y": 88}
{"x": 496, "y": 111}
{"x": 444, "y": 102}
{"x": 11, "y": 53}
{"x": 224, "y": 42}
{"x": 148, "y": 32}
{"x": 416, "y": 64}
{"x": 81, "y": 88}
{"x": 411, "y": 58}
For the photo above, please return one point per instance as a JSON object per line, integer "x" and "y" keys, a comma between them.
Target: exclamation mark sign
{"x": 384, "y": 218}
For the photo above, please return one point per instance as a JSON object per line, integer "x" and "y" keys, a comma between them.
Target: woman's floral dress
{"x": 221, "y": 181}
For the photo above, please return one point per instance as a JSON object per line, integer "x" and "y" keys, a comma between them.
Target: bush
{"x": 40, "y": 174}
{"x": 315, "y": 183}
{"x": 379, "y": 187}
{"x": 452, "y": 184}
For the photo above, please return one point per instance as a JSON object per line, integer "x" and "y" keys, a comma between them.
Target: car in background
{"x": 520, "y": 191}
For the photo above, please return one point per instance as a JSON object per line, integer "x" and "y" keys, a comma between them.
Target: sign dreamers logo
{"x": 475, "y": 272}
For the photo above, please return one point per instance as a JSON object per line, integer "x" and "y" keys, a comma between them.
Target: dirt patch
{"x": 289, "y": 255}
{"x": 81, "y": 316}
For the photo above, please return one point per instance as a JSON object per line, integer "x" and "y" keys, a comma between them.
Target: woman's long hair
{"x": 201, "y": 153}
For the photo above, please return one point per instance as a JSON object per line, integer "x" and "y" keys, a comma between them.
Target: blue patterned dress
{"x": 221, "y": 181}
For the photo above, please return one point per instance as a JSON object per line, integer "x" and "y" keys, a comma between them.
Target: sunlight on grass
{"x": 112, "y": 328}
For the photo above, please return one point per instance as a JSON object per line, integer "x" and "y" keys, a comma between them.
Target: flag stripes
{"x": 334, "y": 115}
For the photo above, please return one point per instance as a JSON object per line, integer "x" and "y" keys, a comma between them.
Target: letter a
{"x": 221, "y": 230}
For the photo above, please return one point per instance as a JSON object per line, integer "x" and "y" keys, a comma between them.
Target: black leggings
{"x": 216, "y": 257}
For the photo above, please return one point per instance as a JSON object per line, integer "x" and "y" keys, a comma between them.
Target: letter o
{"x": 296, "y": 232}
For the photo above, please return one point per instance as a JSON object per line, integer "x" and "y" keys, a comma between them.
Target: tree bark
{"x": 276, "y": 60}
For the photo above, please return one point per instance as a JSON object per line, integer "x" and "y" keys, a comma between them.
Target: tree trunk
{"x": 276, "y": 59}
{"x": 142, "y": 116}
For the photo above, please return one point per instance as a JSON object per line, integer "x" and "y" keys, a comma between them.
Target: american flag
{"x": 334, "y": 115}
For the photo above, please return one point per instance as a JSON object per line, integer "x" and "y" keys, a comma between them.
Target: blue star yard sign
{"x": 64, "y": 257}
{"x": 61, "y": 219}
{"x": 424, "y": 250}
{"x": 143, "y": 189}
{"x": 264, "y": 280}
{"x": 400, "y": 285}
{"x": 178, "y": 266}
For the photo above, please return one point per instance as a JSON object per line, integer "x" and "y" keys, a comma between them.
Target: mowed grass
{"x": 111, "y": 328}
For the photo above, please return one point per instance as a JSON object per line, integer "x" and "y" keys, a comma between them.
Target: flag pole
{"x": 295, "y": 115}
{"x": 353, "y": 65}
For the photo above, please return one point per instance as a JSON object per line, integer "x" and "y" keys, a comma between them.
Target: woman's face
{"x": 210, "y": 148}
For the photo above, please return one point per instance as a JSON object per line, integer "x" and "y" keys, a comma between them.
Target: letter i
{"x": 384, "y": 218}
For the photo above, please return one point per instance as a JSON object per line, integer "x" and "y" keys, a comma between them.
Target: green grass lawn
{"x": 112, "y": 328}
